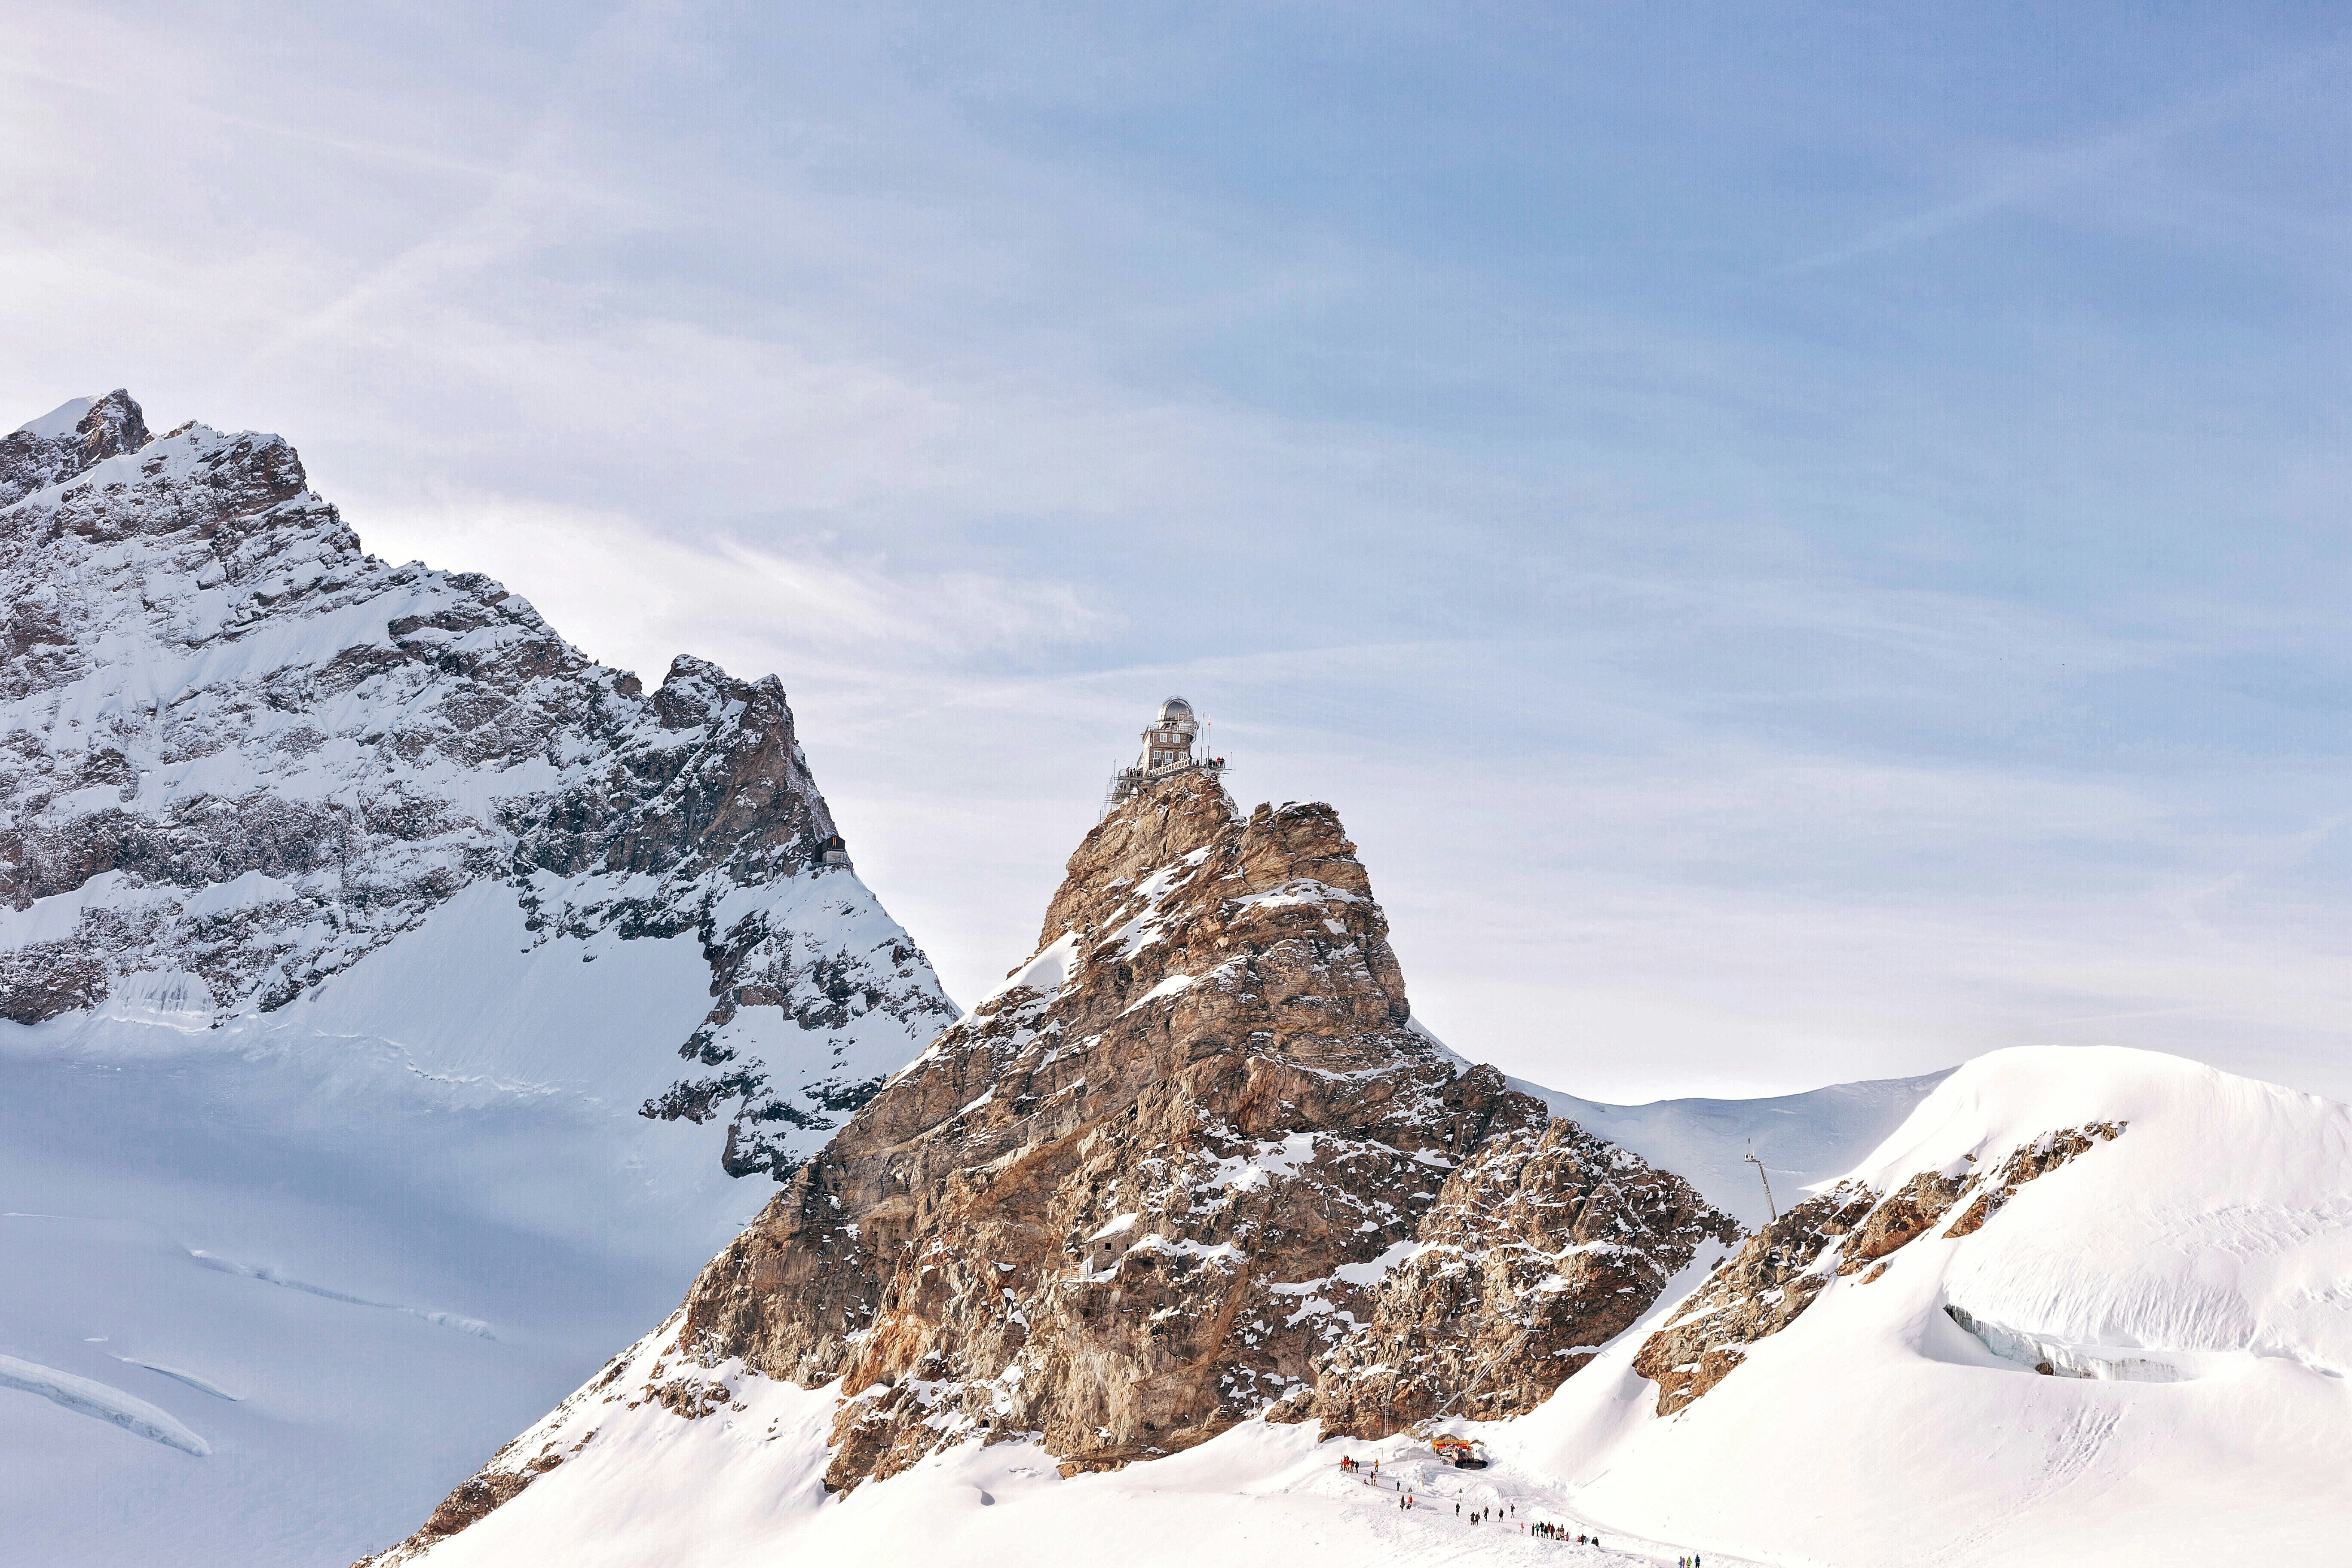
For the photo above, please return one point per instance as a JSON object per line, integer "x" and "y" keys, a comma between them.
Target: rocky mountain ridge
{"x": 238, "y": 755}
{"x": 1191, "y": 1163}
{"x": 1853, "y": 1228}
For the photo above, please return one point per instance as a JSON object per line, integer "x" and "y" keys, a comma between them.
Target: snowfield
{"x": 347, "y": 1248}
{"x": 289, "y": 1292}
{"x": 2212, "y": 1241}
{"x": 2214, "y": 1236}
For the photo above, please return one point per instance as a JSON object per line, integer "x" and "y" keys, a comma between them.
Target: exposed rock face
{"x": 474, "y": 1499}
{"x": 1910, "y": 1214}
{"x": 2039, "y": 1158}
{"x": 1764, "y": 1286}
{"x": 1547, "y": 1244}
{"x": 52, "y": 450}
{"x": 1112, "y": 1205}
{"x": 238, "y": 755}
{"x": 1758, "y": 1291}
{"x": 1191, "y": 1158}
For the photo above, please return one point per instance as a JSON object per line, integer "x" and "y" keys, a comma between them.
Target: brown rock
{"x": 1110, "y": 1206}
{"x": 1547, "y": 1244}
{"x": 474, "y": 1499}
{"x": 2036, "y": 1159}
{"x": 1136, "y": 1196}
{"x": 112, "y": 426}
{"x": 1758, "y": 1291}
{"x": 41, "y": 980}
{"x": 1192, "y": 1163}
{"x": 1910, "y": 1214}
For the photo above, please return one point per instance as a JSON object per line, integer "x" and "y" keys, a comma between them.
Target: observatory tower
{"x": 1167, "y": 749}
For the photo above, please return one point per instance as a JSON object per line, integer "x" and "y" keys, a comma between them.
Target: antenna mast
{"x": 1765, "y": 1179}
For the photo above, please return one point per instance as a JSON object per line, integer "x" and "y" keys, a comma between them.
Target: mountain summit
{"x": 1193, "y": 1163}
{"x": 239, "y": 755}
{"x": 66, "y": 440}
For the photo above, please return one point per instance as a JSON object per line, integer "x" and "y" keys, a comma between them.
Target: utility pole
{"x": 343, "y": 861}
{"x": 1765, "y": 1179}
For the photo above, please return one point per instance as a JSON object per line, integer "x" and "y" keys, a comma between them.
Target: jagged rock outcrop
{"x": 1544, "y": 1246}
{"x": 1903, "y": 1218}
{"x": 1760, "y": 1290}
{"x": 1113, "y": 1205}
{"x": 55, "y": 447}
{"x": 1193, "y": 1163}
{"x": 238, "y": 754}
{"x": 2036, "y": 1159}
{"x": 1851, "y": 1229}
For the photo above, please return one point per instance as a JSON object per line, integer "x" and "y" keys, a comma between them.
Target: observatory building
{"x": 1167, "y": 749}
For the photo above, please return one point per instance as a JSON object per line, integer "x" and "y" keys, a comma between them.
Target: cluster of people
{"x": 1560, "y": 1532}
{"x": 1407, "y": 1501}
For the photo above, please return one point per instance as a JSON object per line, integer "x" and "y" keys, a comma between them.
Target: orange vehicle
{"x": 1460, "y": 1452}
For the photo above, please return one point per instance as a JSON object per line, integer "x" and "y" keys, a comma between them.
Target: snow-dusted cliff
{"x": 238, "y": 756}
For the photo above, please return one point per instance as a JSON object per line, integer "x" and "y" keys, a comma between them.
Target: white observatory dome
{"x": 1175, "y": 707}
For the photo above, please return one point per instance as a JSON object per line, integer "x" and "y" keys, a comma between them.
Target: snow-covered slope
{"x": 346, "y": 1284}
{"x": 1801, "y": 1139}
{"x": 2194, "y": 1268}
{"x": 353, "y": 926}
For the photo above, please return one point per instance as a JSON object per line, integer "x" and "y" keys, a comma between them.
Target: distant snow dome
{"x": 66, "y": 418}
{"x": 1175, "y": 707}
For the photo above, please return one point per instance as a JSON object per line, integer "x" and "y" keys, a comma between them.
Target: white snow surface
{"x": 744, "y": 1485}
{"x": 350, "y": 1247}
{"x": 58, "y": 422}
{"x": 399, "y": 1217}
{"x": 87, "y": 1396}
{"x": 2214, "y": 1234}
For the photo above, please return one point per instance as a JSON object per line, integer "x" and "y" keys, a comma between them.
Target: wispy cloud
{"x": 2027, "y": 177}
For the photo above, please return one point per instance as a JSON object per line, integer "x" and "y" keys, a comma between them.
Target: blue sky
{"x": 1805, "y": 544}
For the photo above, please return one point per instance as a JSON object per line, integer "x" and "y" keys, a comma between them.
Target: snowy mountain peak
{"x": 239, "y": 756}
{"x": 2085, "y": 1304}
{"x": 67, "y": 440}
